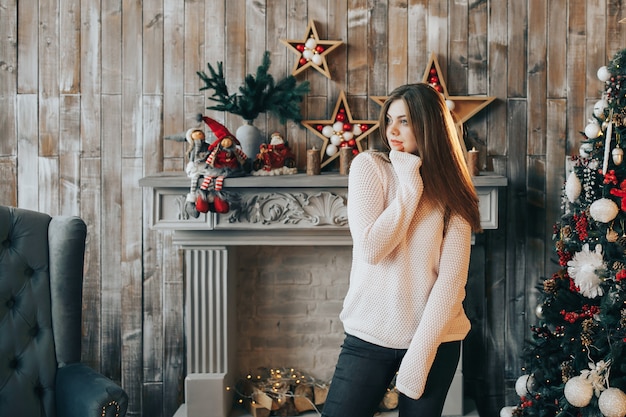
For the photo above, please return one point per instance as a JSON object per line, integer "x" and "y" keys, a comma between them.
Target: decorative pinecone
{"x": 566, "y": 231}
{"x": 559, "y": 245}
{"x": 588, "y": 326}
{"x": 549, "y": 286}
{"x": 566, "y": 371}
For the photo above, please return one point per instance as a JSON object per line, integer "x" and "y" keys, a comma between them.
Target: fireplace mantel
{"x": 294, "y": 209}
{"x": 275, "y": 210}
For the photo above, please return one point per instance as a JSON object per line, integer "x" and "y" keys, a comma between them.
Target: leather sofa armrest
{"x": 83, "y": 392}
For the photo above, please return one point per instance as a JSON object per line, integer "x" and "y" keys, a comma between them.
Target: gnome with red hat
{"x": 225, "y": 159}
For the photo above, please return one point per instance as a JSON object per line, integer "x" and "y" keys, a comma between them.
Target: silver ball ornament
{"x": 539, "y": 311}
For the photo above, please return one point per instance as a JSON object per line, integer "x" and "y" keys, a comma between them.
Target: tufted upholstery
{"x": 41, "y": 274}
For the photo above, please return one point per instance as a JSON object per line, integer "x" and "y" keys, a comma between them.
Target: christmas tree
{"x": 575, "y": 362}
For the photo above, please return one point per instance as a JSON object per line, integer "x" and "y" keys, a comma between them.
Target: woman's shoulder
{"x": 372, "y": 157}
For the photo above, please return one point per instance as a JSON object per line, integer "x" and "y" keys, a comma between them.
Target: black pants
{"x": 365, "y": 370}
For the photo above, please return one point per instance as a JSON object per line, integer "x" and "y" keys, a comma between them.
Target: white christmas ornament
{"x": 603, "y": 210}
{"x": 573, "y": 187}
{"x": 524, "y": 385}
{"x": 599, "y": 107}
{"x": 578, "y": 391}
{"x": 603, "y": 74}
{"x": 585, "y": 150}
{"x": 450, "y": 104}
{"x": 612, "y": 403}
{"x": 507, "y": 411}
{"x": 331, "y": 150}
{"x": 592, "y": 130}
{"x": 582, "y": 268}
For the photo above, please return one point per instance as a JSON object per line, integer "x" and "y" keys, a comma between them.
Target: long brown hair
{"x": 444, "y": 170}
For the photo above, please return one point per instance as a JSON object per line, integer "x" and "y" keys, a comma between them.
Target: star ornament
{"x": 311, "y": 51}
{"x": 462, "y": 108}
{"x": 340, "y": 131}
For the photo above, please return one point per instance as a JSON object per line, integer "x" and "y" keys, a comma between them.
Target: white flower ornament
{"x": 583, "y": 269}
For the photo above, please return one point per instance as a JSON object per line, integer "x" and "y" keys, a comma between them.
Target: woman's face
{"x": 399, "y": 132}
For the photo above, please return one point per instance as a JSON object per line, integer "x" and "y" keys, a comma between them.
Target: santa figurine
{"x": 275, "y": 158}
{"x": 225, "y": 159}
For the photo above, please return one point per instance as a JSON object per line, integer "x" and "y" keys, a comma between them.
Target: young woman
{"x": 411, "y": 214}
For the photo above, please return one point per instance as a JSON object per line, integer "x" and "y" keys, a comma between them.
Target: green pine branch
{"x": 258, "y": 94}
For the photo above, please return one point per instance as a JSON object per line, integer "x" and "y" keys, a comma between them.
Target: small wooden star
{"x": 311, "y": 51}
{"x": 464, "y": 107}
{"x": 341, "y": 130}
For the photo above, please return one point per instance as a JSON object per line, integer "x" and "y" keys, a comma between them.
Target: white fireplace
{"x": 291, "y": 210}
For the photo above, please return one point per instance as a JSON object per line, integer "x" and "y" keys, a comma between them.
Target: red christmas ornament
{"x": 343, "y": 144}
{"x": 342, "y": 110}
{"x": 341, "y": 117}
{"x": 351, "y": 143}
{"x": 433, "y": 71}
{"x": 364, "y": 128}
{"x": 355, "y": 151}
{"x": 439, "y": 88}
{"x": 319, "y": 49}
{"x": 302, "y": 61}
{"x": 319, "y": 128}
{"x": 347, "y": 127}
{"x": 300, "y": 47}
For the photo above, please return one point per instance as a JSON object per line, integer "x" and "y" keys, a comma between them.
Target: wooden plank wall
{"x": 89, "y": 88}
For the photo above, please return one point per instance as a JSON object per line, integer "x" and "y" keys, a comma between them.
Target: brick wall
{"x": 288, "y": 303}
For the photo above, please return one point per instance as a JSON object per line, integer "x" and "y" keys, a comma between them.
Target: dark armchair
{"x": 41, "y": 278}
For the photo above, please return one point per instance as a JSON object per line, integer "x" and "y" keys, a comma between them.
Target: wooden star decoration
{"x": 341, "y": 130}
{"x": 463, "y": 107}
{"x": 311, "y": 51}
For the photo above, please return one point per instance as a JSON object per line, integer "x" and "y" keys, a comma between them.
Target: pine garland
{"x": 258, "y": 94}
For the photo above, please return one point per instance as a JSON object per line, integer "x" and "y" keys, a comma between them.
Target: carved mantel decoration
{"x": 280, "y": 210}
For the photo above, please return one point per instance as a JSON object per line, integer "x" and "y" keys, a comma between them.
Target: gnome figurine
{"x": 225, "y": 159}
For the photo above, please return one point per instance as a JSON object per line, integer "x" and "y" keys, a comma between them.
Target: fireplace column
{"x": 209, "y": 332}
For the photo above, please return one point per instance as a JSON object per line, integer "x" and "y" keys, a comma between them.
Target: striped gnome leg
{"x": 220, "y": 203}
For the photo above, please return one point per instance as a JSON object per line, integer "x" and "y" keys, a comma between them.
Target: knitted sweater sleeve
{"x": 444, "y": 304}
{"x": 374, "y": 227}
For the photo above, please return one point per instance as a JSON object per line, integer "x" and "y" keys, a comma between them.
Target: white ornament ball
{"x": 347, "y": 135}
{"x": 573, "y": 187}
{"x": 336, "y": 140}
{"x": 524, "y": 384}
{"x": 599, "y": 107}
{"x": 585, "y": 150}
{"x": 338, "y": 127}
{"x": 307, "y": 54}
{"x": 592, "y": 130}
{"x": 317, "y": 59}
{"x": 612, "y": 402}
{"x": 450, "y": 104}
{"x": 603, "y": 74}
{"x": 603, "y": 210}
{"x": 331, "y": 150}
{"x": 310, "y": 43}
{"x": 356, "y": 130}
{"x": 507, "y": 411}
{"x": 328, "y": 131}
{"x": 578, "y": 391}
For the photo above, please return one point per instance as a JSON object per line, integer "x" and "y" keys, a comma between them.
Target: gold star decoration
{"x": 340, "y": 131}
{"x": 462, "y": 107}
{"x": 311, "y": 51}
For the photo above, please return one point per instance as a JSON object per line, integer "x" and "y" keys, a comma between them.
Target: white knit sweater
{"x": 407, "y": 282}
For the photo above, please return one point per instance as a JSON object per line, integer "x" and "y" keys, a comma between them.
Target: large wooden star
{"x": 462, "y": 107}
{"x": 341, "y": 130}
{"x": 311, "y": 51}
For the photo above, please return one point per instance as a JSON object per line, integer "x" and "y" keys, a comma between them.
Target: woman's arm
{"x": 376, "y": 229}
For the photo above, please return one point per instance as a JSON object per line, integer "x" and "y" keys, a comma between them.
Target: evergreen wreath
{"x": 259, "y": 93}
